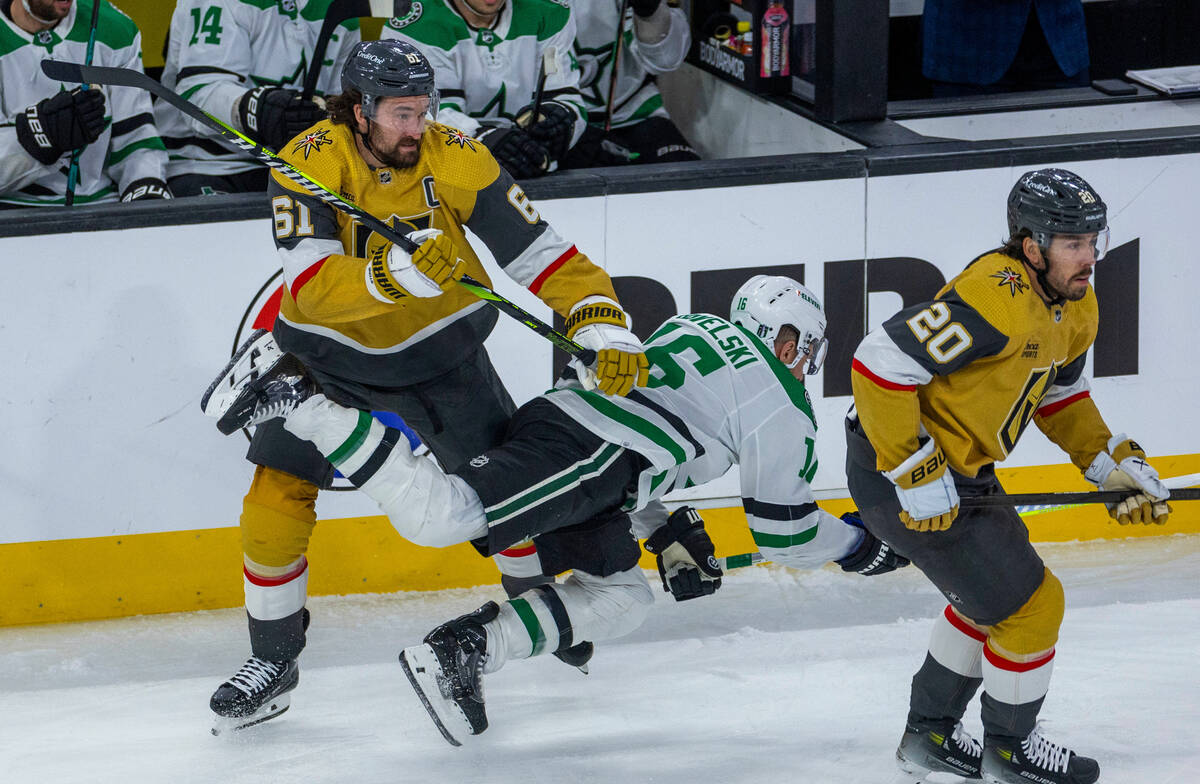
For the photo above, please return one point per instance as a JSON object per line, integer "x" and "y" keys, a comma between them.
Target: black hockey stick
{"x": 1067, "y": 499}
{"x": 338, "y": 12}
{"x": 127, "y": 77}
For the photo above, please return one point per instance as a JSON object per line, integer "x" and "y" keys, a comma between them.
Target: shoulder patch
{"x": 401, "y": 22}
{"x": 1011, "y": 278}
{"x": 312, "y": 142}
{"x": 453, "y": 137}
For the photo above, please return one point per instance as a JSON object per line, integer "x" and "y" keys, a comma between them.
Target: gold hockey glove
{"x": 1124, "y": 467}
{"x": 925, "y": 487}
{"x": 393, "y": 274}
{"x": 599, "y": 323}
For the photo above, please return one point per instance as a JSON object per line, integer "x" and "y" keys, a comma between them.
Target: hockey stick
{"x": 616, "y": 63}
{"x": 338, "y": 12}
{"x": 127, "y": 77}
{"x": 73, "y": 172}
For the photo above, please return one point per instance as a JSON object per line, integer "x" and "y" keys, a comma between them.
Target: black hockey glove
{"x": 273, "y": 116}
{"x": 645, "y": 8}
{"x": 554, "y": 128}
{"x": 516, "y": 151}
{"x": 61, "y": 123}
{"x": 686, "y": 560}
{"x": 872, "y": 556}
{"x": 146, "y": 189}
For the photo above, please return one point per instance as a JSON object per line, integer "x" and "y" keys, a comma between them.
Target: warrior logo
{"x": 312, "y": 142}
{"x": 455, "y": 136}
{"x": 1011, "y": 278}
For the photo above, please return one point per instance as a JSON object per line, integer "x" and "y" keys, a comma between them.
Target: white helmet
{"x": 765, "y": 303}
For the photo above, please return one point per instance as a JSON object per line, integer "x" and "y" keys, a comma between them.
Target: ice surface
{"x": 782, "y": 676}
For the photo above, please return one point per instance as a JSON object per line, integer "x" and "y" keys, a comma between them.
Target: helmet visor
{"x": 816, "y": 350}
{"x": 1075, "y": 247}
{"x": 404, "y": 113}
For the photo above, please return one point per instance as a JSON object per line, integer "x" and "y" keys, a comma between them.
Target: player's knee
{"x": 623, "y": 598}
{"x": 278, "y": 515}
{"x": 1034, "y": 627}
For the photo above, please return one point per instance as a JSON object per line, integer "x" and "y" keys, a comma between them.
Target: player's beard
{"x": 403, "y": 153}
{"x": 49, "y": 10}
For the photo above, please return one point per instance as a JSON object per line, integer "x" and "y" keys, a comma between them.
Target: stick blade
{"x": 63, "y": 71}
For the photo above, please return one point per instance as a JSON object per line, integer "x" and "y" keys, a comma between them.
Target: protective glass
{"x": 816, "y": 349}
{"x": 1073, "y": 247}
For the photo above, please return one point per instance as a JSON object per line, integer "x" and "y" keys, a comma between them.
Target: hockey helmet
{"x": 1055, "y": 201}
{"x": 388, "y": 68}
{"x": 765, "y": 303}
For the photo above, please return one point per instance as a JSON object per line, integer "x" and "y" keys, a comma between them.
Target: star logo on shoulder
{"x": 455, "y": 136}
{"x": 1011, "y": 278}
{"x": 312, "y": 142}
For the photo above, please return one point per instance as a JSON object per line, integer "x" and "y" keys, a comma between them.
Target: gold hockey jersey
{"x": 328, "y": 316}
{"x": 974, "y": 366}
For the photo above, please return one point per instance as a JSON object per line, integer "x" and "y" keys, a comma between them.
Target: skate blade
{"x": 421, "y": 666}
{"x": 909, "y": 772}
{"x": 274, "y": 708}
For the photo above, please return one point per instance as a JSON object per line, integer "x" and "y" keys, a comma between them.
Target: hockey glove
{"x": 599, "y": 323}
{"x": 925, "y": 487}
{"x": 872, "y": 556}
{"x": 686, "y": 560}
{"x": 1124, "y": 467}
{"x": 645, "y": 8}
{"x": 145, "y": 189}
{"x": 393, "y": 274}
{"x": 554, "y": 128}
{"x": 273, "y": 116}
{"x": 61, "y": 123}
{"x": 515, "y": 150}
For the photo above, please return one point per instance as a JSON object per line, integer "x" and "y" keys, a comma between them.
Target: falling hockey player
{"x": 574, "y": 461}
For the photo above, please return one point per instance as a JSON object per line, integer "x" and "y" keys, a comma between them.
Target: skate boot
{"x": 1038, "y": 760}
{"x": 937, "y": 747}
{"x": 446, "y": 671}
{"x": 258, "y": 384}
{"x": 578, "y": 655}
{"x": 256, "y": 693}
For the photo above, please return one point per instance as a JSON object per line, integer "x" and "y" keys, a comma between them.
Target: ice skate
{"x": 446, "y": 672}
{"x": 1036, "y": 759}
{"x": 937, "y": 748}
{"x": 258, "y": 692}
{"x": 259, "y": 383}
{"x": 578, "y": 655}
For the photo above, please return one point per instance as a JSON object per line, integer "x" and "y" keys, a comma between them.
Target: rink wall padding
{"x": 118, "y": 497}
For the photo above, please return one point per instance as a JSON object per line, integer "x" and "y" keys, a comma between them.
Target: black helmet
{"x": 1054, "y": 201}
{"x": 379, "y": 69}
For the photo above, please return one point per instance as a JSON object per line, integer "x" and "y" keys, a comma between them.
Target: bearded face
{"x": 48, "y": 10}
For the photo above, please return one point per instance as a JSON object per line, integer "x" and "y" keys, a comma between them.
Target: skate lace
{"x": 255, "y": 675}
{"x": 965, "y": 742}
{"x": 280, "y": 399}
{"x": 1045, "y": 753}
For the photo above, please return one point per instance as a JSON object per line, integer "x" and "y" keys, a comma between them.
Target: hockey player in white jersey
{"x": 574, "y": 462}
{"x": 123, "y": 157}
{"x": 627, "y": 122}
{"x": 490, "y": 57}
{"x": 243, "y": 62}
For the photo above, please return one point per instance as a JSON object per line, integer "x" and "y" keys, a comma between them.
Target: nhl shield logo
{"x": 480, "y": 461}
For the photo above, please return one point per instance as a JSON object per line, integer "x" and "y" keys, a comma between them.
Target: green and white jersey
{"x": 717, "y": 398}
{"x": 128, "y": 149}
{"x": 635, "y": 94}
{"x": 219, "y": 49}
{"x": 492, "y": 72}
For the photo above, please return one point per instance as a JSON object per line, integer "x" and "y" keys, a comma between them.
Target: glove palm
{"x": 427, "y": 272}
{"x": 1124, "y": 467}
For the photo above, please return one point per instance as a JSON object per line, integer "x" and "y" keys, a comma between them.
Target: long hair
{"x": 341, "y": 107}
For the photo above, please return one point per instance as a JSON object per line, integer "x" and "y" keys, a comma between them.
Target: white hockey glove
{"x": 393, "y": 274}
{"x": 1124, "y": 467}
{"x": 599, "y": 323}
{"x": 686, "y": 560}
{"x": 925, "y": 487}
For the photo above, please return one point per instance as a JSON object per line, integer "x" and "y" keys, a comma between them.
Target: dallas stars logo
{"x": 1012, "y": 279}
{"x": 312, "y": 142}
{"x": 455, "y": 136}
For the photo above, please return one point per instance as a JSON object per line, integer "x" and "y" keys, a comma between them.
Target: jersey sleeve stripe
{"x": 770, "y": 511}
{"x": 198, "y": 70}
{"x": 519, "y": 552}
{"x": 536, "y": 285}
{"x": 783, "y": 541}
{"x": 863, "y": 370}
{"x": 1059, "y": 405}
{"x": 122, "y": 127}
{"x": 305, "y": 276}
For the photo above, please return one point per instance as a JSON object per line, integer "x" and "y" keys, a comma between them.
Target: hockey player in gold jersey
{"x": 380, "y": 329}
{"x": 942, "y": 391}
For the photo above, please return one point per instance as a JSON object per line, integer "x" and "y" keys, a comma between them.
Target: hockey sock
{"x": 1013, "y": 692}
{"x": 952, "y": 670}
{"x": 275, "y": 606}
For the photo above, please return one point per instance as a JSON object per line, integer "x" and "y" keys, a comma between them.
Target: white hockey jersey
{"x": 717, "y": 398}
{"x": 635, "y": 94}
{"x": 219, "y": 49}
{"x": 492, "y": 72}
{"x": 128, "y": 149}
